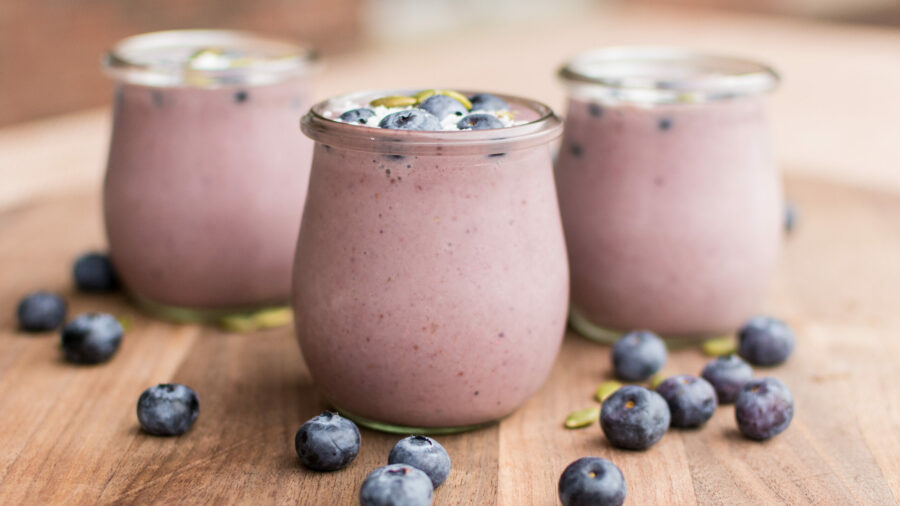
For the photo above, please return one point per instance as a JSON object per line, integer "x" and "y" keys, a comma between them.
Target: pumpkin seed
{"x": 606, "y": 389}
{"x": 393, "y": 101}
{"x": 582, "y": 417}
{"x": 719, "y": 346}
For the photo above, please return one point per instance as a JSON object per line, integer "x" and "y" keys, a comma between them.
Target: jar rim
{"x": 206, "y": 59}
{"x": 663, "y": 74}
{"x": 326, "y": 130}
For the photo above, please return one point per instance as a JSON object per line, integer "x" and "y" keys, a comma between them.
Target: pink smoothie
{"x": 431, "y": 283}
{"x": 672, "y": 212}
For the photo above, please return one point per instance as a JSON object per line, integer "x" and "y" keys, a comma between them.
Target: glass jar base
{"x": 604, "y": 335}
{"x": 234, "y": 319}
{"x": 407, "y": 430}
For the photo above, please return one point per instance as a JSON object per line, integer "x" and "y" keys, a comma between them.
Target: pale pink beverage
{"x": 431, "y": 282}
{"x": 669, "y": 193}
{"x": 206, "y": 175}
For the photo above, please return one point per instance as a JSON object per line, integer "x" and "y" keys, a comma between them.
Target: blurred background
{"x": 49, "y": 49}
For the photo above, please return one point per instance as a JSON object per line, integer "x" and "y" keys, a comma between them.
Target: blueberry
{"x": 396, "y": 485}
{"x": 764, "y": 408}
{"x": 91, "y": 338}
{"x": 479, "y": 121}
{"x": 41, "y": 311}
{"x": 790, "y": 217}
{"x": 727, "y": 374}
{"x": 94, "y": 272}
{"x": 634, "y": 418}
{"x": 592, "y": 481}
{"x": 488, "y": 102}
{"x": 692, "y": 401}
{"x": 765, "y": 341}
{"x": 327, "y": 442}
{"x": 168, "y": 409}
{"x": 411, "y": 119}
{"x": 424, "y": 454}
{"x": 442, "y": 106}
{"x": 360, "y": 115}
{"x": 638, "y": 355}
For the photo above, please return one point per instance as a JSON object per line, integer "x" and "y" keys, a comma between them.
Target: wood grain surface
{"x": 69, "y": 434}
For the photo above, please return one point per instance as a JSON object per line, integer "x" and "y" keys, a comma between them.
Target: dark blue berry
{"x": 592, "y": 481}
{"x": 638, "y": 355}
{"x": 424, "y": 454}
{"x": 396, "y": 485}
{"x": 442, "y": 106}
{"x": 634, "y": 417}
{"x": 765, "y": 341}
{"x": 327, "y": 442}
{"x": 91, "y": 338}
{"x": 764, "y": 408}
{"x": 790, "y": 217}
{"x": 692, "y": 401}
{"x": 727, "y": 374}
{"x": 41, "y": 311}
{"x": 479, "y": 121}
{"x": 411, "y": 119}
{"x": 488, "y": 102}
{"x": 94, "y": 272}
{"x": 168, "y": 409}
{"x": 361, "y": 115}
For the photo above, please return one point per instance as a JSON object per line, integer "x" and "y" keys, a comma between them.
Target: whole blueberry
{"x": 360, "y": 115}
{"x": 634, "y": 417}
{"x": 764, "y": 408}
{"x": 396, "y": 485}
{"x": 94, "y": 272}
{"x": 169, "y": 409}
{"x": 91, "y": 338}
{"x": 488, "y": 102}
{"x": 638, "y": 355}
{"x": 327, "y": 442}
{"x": 424, "y": 454}
{"x": 727, "y": 374}
{"x": 442, "y": 106}
{"x": 479, "y": 121}
{"x": 41, "y": 311}
{"x": 411, "y": 119}
{"x": 692, "y": 401}
{"x": 592, "y": 481}
{"x": 765, "y": 341}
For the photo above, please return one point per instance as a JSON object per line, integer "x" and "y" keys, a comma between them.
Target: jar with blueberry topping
{"x": 206, "y": 177}
{"x": 669, "y": 192}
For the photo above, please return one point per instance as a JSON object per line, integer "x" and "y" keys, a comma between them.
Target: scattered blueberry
{"x": 360, "y": 115}
{"x": 727, "y": 374}
{"x": 442, "y": 106}
{"x": 692, "y": 401}
{"x": 425, "y": 454}
{"x": 41, "y": 311}
{"x": 592, "y": 481}
{"x": 665, "y": 124}
{"x": 91, "y": 338}
{"x": 396, "y": 485}
{"x": 595, "y": 110}
{"x": 327, "y": 442}
{"x": 765, "y": 341}
{"x": 488, "y": 102}
{"x": 638, "y": 355}
{"x": 168, "y": 409}
{"x": 764, "y": 408}
{"x": 634, "y": 417}
{"x": 94, "y": 272}
{"x": 411, "y": 119}
{"x": 479, "y": 121}
{"x": 790, "y": 217}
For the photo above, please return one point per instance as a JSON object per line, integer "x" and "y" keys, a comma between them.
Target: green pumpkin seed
{"x": 582, "y": 417}
{"x": 606, "y": 389}
{"x": 393, "y": 101}
{"x": 719, "y": 346}
{"x": 656, "y": 379}
{"x": 273, "y": 318}
{"x": 125, "y": 322}
{"x": 237, "y": 323}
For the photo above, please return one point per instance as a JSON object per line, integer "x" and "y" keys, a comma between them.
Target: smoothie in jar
{"x": 206, "y": 175}
{"x": 670, "y": 198}
{"x": 431, "y": 282}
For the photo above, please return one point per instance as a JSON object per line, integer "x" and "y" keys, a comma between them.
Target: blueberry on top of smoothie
{"x": 442, "y": 106}
{"x": 488, "y": 102}
{"x": 411, "y": 119}
{"x": 359, "y": 115}
{"x": 479, "y": 121}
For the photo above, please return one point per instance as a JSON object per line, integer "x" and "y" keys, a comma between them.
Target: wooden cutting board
{"x": 70, "y": 435}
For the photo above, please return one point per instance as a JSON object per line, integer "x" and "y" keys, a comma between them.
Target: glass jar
{"x": 206, "y": 176}
{"x": 431, "y": 282}
{"x": 670, "y": 197}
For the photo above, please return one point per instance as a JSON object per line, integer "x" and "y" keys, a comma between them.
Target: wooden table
{"x": 69, "y": 434}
